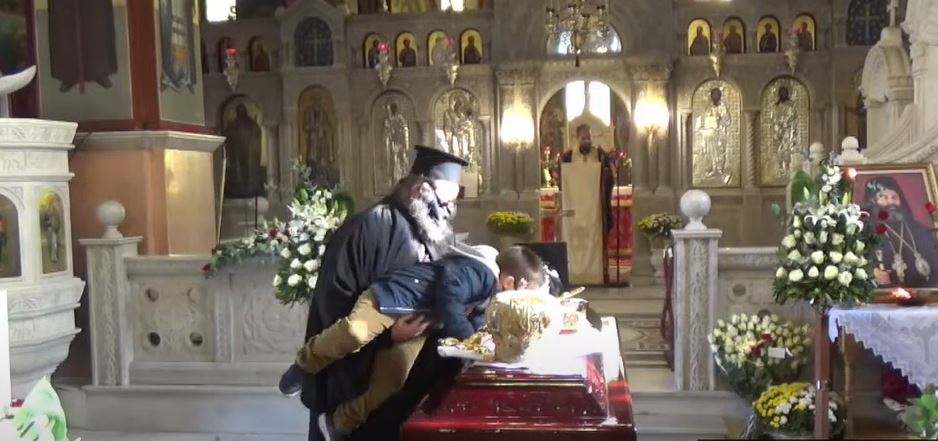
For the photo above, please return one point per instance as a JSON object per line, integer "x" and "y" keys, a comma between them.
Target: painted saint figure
{"x": 471, "y": 53}
{"x": 733, "y": 41}
{"x": 82, "y": 45}
{"x": 51, "y": 224}
{"x": 408, "y": 56}
{"x": 441, "y": 53}
{"x": 319, "y": 148}
{"x": 785, "y": 132}
{"x": 397, "y": 140}
{"x": 243, "y": 144}
{"x": 713, "y": 127}
{"x": 701, "y": 44}
{"x": 373, "y": 54}
{"x": 769, "y": 41}
{"x": 805, "y": 38}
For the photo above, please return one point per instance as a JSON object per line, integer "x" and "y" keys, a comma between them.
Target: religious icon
{"x": 698, "y": 37}
{"x": 82, "y": 46}
{"x": 471, "y": 43}
{"x": 317, "y": 132}
{"x": 439, "y": 49}
{"x": 804, "y": 28}
{"x": 177, "y": 43}
{"x": 406, "y": 50}
{"x": 372, "y": 6}
{"x": 371, "y": 51}
{"x": 245, "y": 148}
{"x": 313, "y": 42}
{"x": 458, "y": 129}
{"x": 734, "y": 39}
{"x": 716, "y": 152}
{"x": 896, "y": 197}
{"x": 10, "y": 264}
{"x": 260, "y": 56}
{"x": 52, "y": 233}
{"x": 393, "y": 119}
{"x": 14, "y": 47}
{"x": 412, "y": 6}
{"x": 767, "y": 34}
{"x": 784, "y": 128}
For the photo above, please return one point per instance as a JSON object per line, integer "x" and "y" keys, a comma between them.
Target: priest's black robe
{"x": 371, "y": 243}
{"x": 82, "y": 44}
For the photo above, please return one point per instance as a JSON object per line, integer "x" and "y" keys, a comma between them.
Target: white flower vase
{"x": 657, "y": 263}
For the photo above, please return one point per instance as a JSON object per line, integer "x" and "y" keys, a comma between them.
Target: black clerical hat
{"x": 437, "y": 164}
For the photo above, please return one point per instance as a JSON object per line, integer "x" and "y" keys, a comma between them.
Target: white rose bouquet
{"x": 826, "y": 254}
{"x": 754, "y": 352}
{"x": 315, "y": 213}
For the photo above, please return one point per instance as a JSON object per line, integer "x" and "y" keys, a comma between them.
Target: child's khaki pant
{"x": 348, "y": 335}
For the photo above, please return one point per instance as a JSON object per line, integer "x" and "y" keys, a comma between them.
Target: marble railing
{"x": 160, "y": 321}
{"x": 711, "y": 283}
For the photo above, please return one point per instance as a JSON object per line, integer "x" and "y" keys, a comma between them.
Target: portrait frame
{"x": 692, "y": 34}
{"x": 741, "y": 30}
{"x": 775, "y": 27}
{"x": 399, "y": 48}
{"x": 917, "y": 183}
{"x": 464, "y": 43}
{"x": 810, "y": 26}
{"x": 431, "y": 44}
{"x": 257, "y": 47}
{"x": 367, "y": 44}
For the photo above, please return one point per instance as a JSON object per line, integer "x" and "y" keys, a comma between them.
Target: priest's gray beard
{"x": 433, "y": 221}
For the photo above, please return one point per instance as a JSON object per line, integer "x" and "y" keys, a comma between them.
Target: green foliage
{"x": 40, "y": 418}
{"x": 921, "y": 417}
{"x": 659, "y": 225}
{"x": 510, "y": 223}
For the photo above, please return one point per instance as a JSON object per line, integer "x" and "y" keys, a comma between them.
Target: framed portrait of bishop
{"x": 896, "y": 196}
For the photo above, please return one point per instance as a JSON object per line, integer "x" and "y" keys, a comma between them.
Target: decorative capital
{"x": 654, "y": 72}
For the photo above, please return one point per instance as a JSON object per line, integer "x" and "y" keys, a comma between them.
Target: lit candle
{"x": 852, "y": 173}
{"x": 901, "y": 294}
{"x": 6, "y": 390}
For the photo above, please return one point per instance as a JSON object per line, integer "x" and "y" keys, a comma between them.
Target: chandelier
{"x": 580, "y": 21}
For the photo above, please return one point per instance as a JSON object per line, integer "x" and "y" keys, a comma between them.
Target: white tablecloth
{"x": 906, "y": 337}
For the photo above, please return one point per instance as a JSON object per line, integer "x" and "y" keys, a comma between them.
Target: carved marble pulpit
{"x": 586, "y": 398}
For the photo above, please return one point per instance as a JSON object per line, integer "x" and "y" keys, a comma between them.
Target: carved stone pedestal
{"x": 35, "y": 246}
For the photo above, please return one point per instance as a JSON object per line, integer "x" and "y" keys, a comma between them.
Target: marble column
{"x": 695, "y": 295}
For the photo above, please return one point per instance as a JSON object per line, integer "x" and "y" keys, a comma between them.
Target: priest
{"x": 587, "y": 182}
{"x": 411, "y": 224}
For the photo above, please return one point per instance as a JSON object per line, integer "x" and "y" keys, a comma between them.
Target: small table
{"x": 906, "y": 337}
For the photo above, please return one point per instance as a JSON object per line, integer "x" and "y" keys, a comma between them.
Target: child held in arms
{"x": 454, "y": 290}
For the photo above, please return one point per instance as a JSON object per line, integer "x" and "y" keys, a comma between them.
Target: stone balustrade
{"x": 157, "y": 320}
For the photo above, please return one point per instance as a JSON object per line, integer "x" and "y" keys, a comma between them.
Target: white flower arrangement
{"x": 756, "y": 351}
{"x": 315, "y": 213}
{"x": 826, "y": 257}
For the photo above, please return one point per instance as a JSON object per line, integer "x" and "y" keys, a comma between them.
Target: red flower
{"x": 767, "y": 338}
{"x": 880, "y": 229}
{"x": 206, "y": 268}
{"x": 883, "y": 215}
{"x": 756, "y": 351}
{"x": 273, "y": 234}
{"x": 931, "y": 208}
